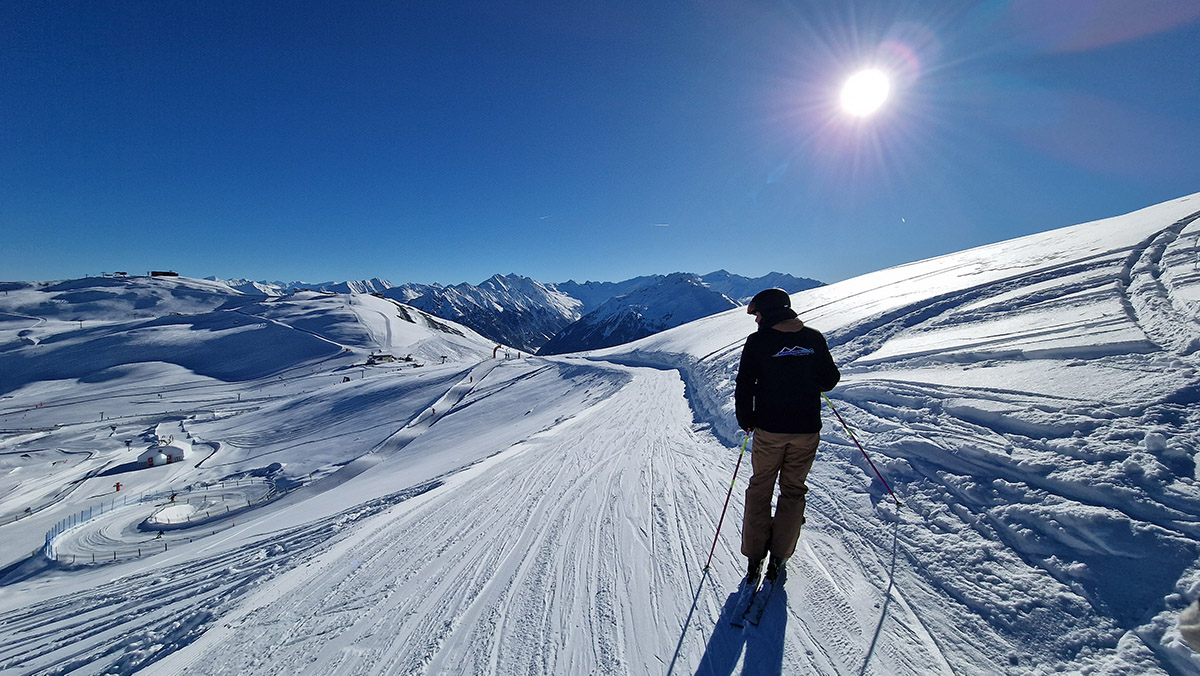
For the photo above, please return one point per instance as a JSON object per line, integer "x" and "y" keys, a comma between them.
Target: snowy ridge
{"x": 1035, "y": 401}
{"x": 648, "y": 305}
{"x": 264, "y": 288}
{"x": 525, "y": 313}
{"x": 104, "y": 298}
{"x": 676, "y": 299}
{"x": 91, "y": 326}
{"x": 742, "y": 289}
{"x": 511, "y": 309}
{"x": 1032, "y": 402}
{"x": 595, "y": 294}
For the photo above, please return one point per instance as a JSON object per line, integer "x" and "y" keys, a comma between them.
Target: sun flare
{"x": 865, "y": 92}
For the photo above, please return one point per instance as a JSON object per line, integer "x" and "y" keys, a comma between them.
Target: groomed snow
{"x": 1032, "y": 403}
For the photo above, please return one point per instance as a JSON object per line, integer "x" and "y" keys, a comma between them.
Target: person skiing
{"x": 784, "y": 368}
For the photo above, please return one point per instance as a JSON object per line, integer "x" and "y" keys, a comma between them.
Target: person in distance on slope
{"x": 785, "y": 367}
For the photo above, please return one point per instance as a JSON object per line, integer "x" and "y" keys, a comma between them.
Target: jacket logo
{"x": 794, "y": 352}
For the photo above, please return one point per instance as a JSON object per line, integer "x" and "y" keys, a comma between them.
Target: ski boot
{"x": 753, "y": 572}
{"x": 776, "y": 570}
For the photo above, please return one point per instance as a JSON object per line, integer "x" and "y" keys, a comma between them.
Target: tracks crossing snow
{"x": 574, "y": 550}
{"x": 503, "y": 583}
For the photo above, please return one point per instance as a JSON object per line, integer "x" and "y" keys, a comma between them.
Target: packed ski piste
{"x": 199, "y": 480}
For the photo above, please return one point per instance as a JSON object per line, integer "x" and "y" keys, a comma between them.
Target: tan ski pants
{"x": 788, "y": 458}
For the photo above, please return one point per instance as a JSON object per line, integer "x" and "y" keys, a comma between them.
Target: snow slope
{"x": 512, "y": 309}
{"x": 374, "y": 285}
{"x": 676, "y": 299}
{"x": 1033, "y": 404}
{"x": 526, "y": 313}
{"x": 742, "y": 289}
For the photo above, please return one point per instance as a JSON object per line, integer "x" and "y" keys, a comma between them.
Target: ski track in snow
{"x": 552, "y": 516}
{"x": 504, "y": 584}
{"x": 1026, "y": 508}
{"x": 569, "y": 559}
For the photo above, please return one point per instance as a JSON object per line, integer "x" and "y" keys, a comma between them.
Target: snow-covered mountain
{"x": 405, "y": 293}
{"x": 528, "y": 314}
{"x": 595, "y": 294}
{"x": 525, "y": 313}
{"x": 673, "y": 300}
{"x": 105, "y": 298}
{"x": 373, "y": 285}
{"x": 510, "y": 309}
{"x": 1033, "y": 404}
{"x": 96, "y": 329}
{"x": 647, "y": 305}
{"x": 737, "y": 287}
{"x": 254, "y": 288}
{"x": 742, "y": 289}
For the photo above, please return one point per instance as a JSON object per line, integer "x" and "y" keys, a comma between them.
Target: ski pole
{"x": 727, "y": 496}
{"x": 860, "y": 450}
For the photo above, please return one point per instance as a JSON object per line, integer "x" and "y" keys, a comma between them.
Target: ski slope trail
{"x": 1033, "y": 403}
{"x": 579, "y": 551}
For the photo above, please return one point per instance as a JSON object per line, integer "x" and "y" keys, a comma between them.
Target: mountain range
{"x": 554, "y": 318}
{"x": 1006, "y": 484}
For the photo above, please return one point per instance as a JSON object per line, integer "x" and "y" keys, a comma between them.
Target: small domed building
{"x": 151, "y": 457}
{"x": 164, "y": 453}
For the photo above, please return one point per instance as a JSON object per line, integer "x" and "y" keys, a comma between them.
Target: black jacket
{"x": 784, "y": 370}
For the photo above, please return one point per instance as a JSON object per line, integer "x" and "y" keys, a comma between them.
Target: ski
{"x": 754, "y": 612}
{"x": 746, "y": 593}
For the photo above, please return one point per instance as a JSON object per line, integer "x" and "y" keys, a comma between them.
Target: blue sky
{"x": 448, "y": 141}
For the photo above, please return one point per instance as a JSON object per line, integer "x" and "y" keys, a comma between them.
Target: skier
{"x": 785, "y": 366}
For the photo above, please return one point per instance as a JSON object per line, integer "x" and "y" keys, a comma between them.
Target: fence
{"x": 211, "y": 510}
{"x": 181, "y": 497}
{"x": 133, "y": 553}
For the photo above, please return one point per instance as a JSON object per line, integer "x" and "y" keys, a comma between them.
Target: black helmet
{"x": 770, "y": 299}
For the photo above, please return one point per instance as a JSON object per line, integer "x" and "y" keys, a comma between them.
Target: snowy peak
{"x": 509, "y": 309}
{"x": 407, "y": 292}
{"x": 674, "y": 300}
{"x": 256, "y": 288}
{"x": 595, "y": 294}
{"x": 645, "y": 305}
{"x": 374, "y": 285}
{"x": 525, "y": 313}
{"x": 525, "y": 294}
{"x": 742, "y": 289}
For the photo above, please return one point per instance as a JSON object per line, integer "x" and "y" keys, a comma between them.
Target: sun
{"x": 865, "y": 92}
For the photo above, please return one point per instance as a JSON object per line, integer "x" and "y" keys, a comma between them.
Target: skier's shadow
{"x": 887, "y": 600}
{"x": 761, "y": 645}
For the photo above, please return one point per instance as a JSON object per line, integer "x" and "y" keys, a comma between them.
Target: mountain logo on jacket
{"x": 794, "y": 352}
